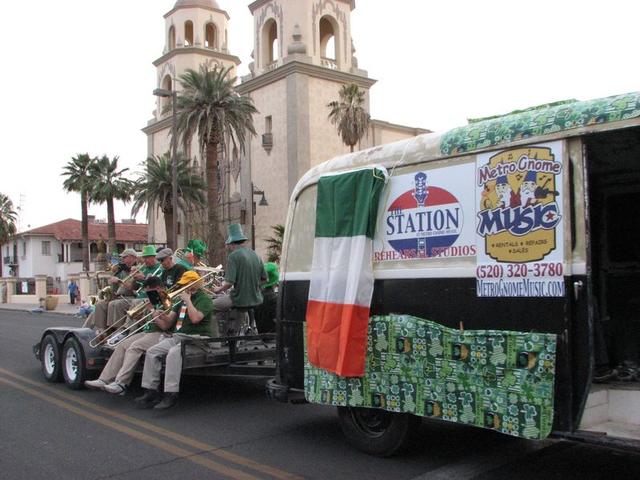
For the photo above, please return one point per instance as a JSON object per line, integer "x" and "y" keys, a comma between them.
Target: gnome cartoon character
{"x": 506, "y": 196}
{"x": 528, "y": 190}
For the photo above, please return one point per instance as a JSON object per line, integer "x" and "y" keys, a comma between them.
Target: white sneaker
{"x": 115, "y": 388}
{"x": 95, "y": 384}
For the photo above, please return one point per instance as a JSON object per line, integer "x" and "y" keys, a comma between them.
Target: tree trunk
{"x": 167, "y": 213}
{"x": 111, "y": 226}
{"x": 216, "y": 249}
{"x": 85, "y": 230}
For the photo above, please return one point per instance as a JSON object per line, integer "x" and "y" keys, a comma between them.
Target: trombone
{"x": 167, "y": 302}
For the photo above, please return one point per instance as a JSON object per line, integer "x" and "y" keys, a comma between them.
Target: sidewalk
{"x": 62, "y": 308}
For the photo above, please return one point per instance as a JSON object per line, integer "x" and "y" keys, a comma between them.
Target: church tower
{"x": 196, "y": 33}
{"x": 303, "y": 54}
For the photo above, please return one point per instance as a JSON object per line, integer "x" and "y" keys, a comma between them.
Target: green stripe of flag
{"x": 348, "y": 203}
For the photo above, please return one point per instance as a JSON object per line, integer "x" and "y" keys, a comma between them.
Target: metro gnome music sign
{"x": 519, "y": 222}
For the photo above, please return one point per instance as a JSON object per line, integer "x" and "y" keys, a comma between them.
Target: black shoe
{"x": 627, "y": 371}
{"x": 604, "y": 374}
{"x": 169, "y": 400}
{"x": 149, "y": 399}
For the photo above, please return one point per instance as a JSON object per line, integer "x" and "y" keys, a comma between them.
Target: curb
{"x": 25, "y": 310}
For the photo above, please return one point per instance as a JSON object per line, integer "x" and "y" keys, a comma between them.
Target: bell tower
{"x": 303, "y": 54}
{"x": 196, "y": 33}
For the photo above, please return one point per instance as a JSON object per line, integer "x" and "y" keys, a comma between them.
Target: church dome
{"x": 197, "y": 3}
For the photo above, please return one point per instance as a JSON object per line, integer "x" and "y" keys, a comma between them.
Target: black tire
{"x": 378, "y": 432}
{"x": 50, "y": 359}
{"x": 74, "y": 369}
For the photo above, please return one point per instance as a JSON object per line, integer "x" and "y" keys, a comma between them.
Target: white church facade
{"x": 303, "y": 54}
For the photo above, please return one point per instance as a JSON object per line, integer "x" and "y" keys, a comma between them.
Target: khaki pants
{"x": 122, "y": 363}
{"x": 98, "y": 318}
{"x": 118, "y": 309}
{"x": 107, "y": 313}
{"x": 169, "y": 347}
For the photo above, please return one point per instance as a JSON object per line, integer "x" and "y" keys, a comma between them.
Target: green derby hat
{"x": 273, "y": 277}
{"x": 149, "y": 251}
{"x": 198, "y": 247}
{"x": 235, "y": 233}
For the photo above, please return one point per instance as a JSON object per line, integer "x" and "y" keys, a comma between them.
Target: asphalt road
{"x": 226, "y": 428}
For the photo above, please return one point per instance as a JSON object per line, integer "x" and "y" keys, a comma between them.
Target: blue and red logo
{"x": 424, "y": 221}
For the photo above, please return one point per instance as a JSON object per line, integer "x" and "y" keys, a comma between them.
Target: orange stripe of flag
{"x": 337, "y": 337}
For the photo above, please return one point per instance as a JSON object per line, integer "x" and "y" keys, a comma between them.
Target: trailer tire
{"x": 50, "y": 359}
{"x": 378, "y": 432}
{"x": 74, "y": 369}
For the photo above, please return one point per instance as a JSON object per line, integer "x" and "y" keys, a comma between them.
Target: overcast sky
{"x": 77, "y": 74}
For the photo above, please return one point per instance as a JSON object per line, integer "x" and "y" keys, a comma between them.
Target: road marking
{"x": 143, "y": 437}
{"x": 200, "y": 446}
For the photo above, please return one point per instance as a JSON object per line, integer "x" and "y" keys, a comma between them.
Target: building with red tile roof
{"x": 55, "y": 250}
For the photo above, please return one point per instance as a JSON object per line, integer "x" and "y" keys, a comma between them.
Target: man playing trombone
{"x": 119, "y": 370}
{"x": 99, "y": 319}
{"x": 194, "y": 312}
{"x": 150, "y": 268}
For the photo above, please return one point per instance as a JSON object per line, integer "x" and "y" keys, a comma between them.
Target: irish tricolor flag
{"x": 342, "y": 270}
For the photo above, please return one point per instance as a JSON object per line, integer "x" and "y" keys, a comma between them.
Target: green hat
{"x": 149, "y": 251}
{"x": 273, "y": 276}
{"x": 198, "y": 247}
{"x": 235, "y": 233}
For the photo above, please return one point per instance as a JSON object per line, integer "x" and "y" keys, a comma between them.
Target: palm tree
{"x": 209, "y": 108}
{"x": 153, "y": 188}
{"x": 77, "y": 173}
{"x": 109, "y": 184}
{"x": 349, "y": 115}
{"x": 7, "y": 218}
{"x": 274, "y": 244}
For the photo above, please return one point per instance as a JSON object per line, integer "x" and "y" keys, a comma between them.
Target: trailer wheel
{"x": 377, "y": 432}
{"x": 50, "y": 359}
{"x": 74, "y": 369}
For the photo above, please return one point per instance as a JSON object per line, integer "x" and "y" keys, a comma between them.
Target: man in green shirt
{"x": 244, "y": 272}
{"x": 192, "y": 315}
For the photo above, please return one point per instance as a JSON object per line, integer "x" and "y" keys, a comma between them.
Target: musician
{"x": 150, "y": 267}
{"x": 171, "y": 272}
{"x": 194, "y": 253}
{"x": 119, "y": 370}
{"x": 194, "y": 312}
{"x": 198, "y": 249}
{"x": 244, "y": 273}
{"x": 265, "y": 314}
{"x": 99, "y": 318}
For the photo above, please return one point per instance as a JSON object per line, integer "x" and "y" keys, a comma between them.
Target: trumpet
{"x": 167, "y": 302}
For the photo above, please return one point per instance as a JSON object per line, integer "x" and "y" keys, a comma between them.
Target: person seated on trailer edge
{"x": 117, "y": 374}
{"x": 99, "y": 318}
{"x": 194, "y": 311}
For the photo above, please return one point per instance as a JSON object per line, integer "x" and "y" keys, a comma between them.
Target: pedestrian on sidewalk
{"x": 73, "y": 291}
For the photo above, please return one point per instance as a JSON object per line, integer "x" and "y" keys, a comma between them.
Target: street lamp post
{"x": 263, "y": 203}
{"x": 161, "y": 92}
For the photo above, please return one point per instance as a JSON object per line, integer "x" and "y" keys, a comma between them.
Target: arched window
{"x": 328, "y": 41}
{"x": 172, "y": 37}
{"x": 210, "y": 36}
{"x": 270, "y": 45}
{"x": 188, "y": 33}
